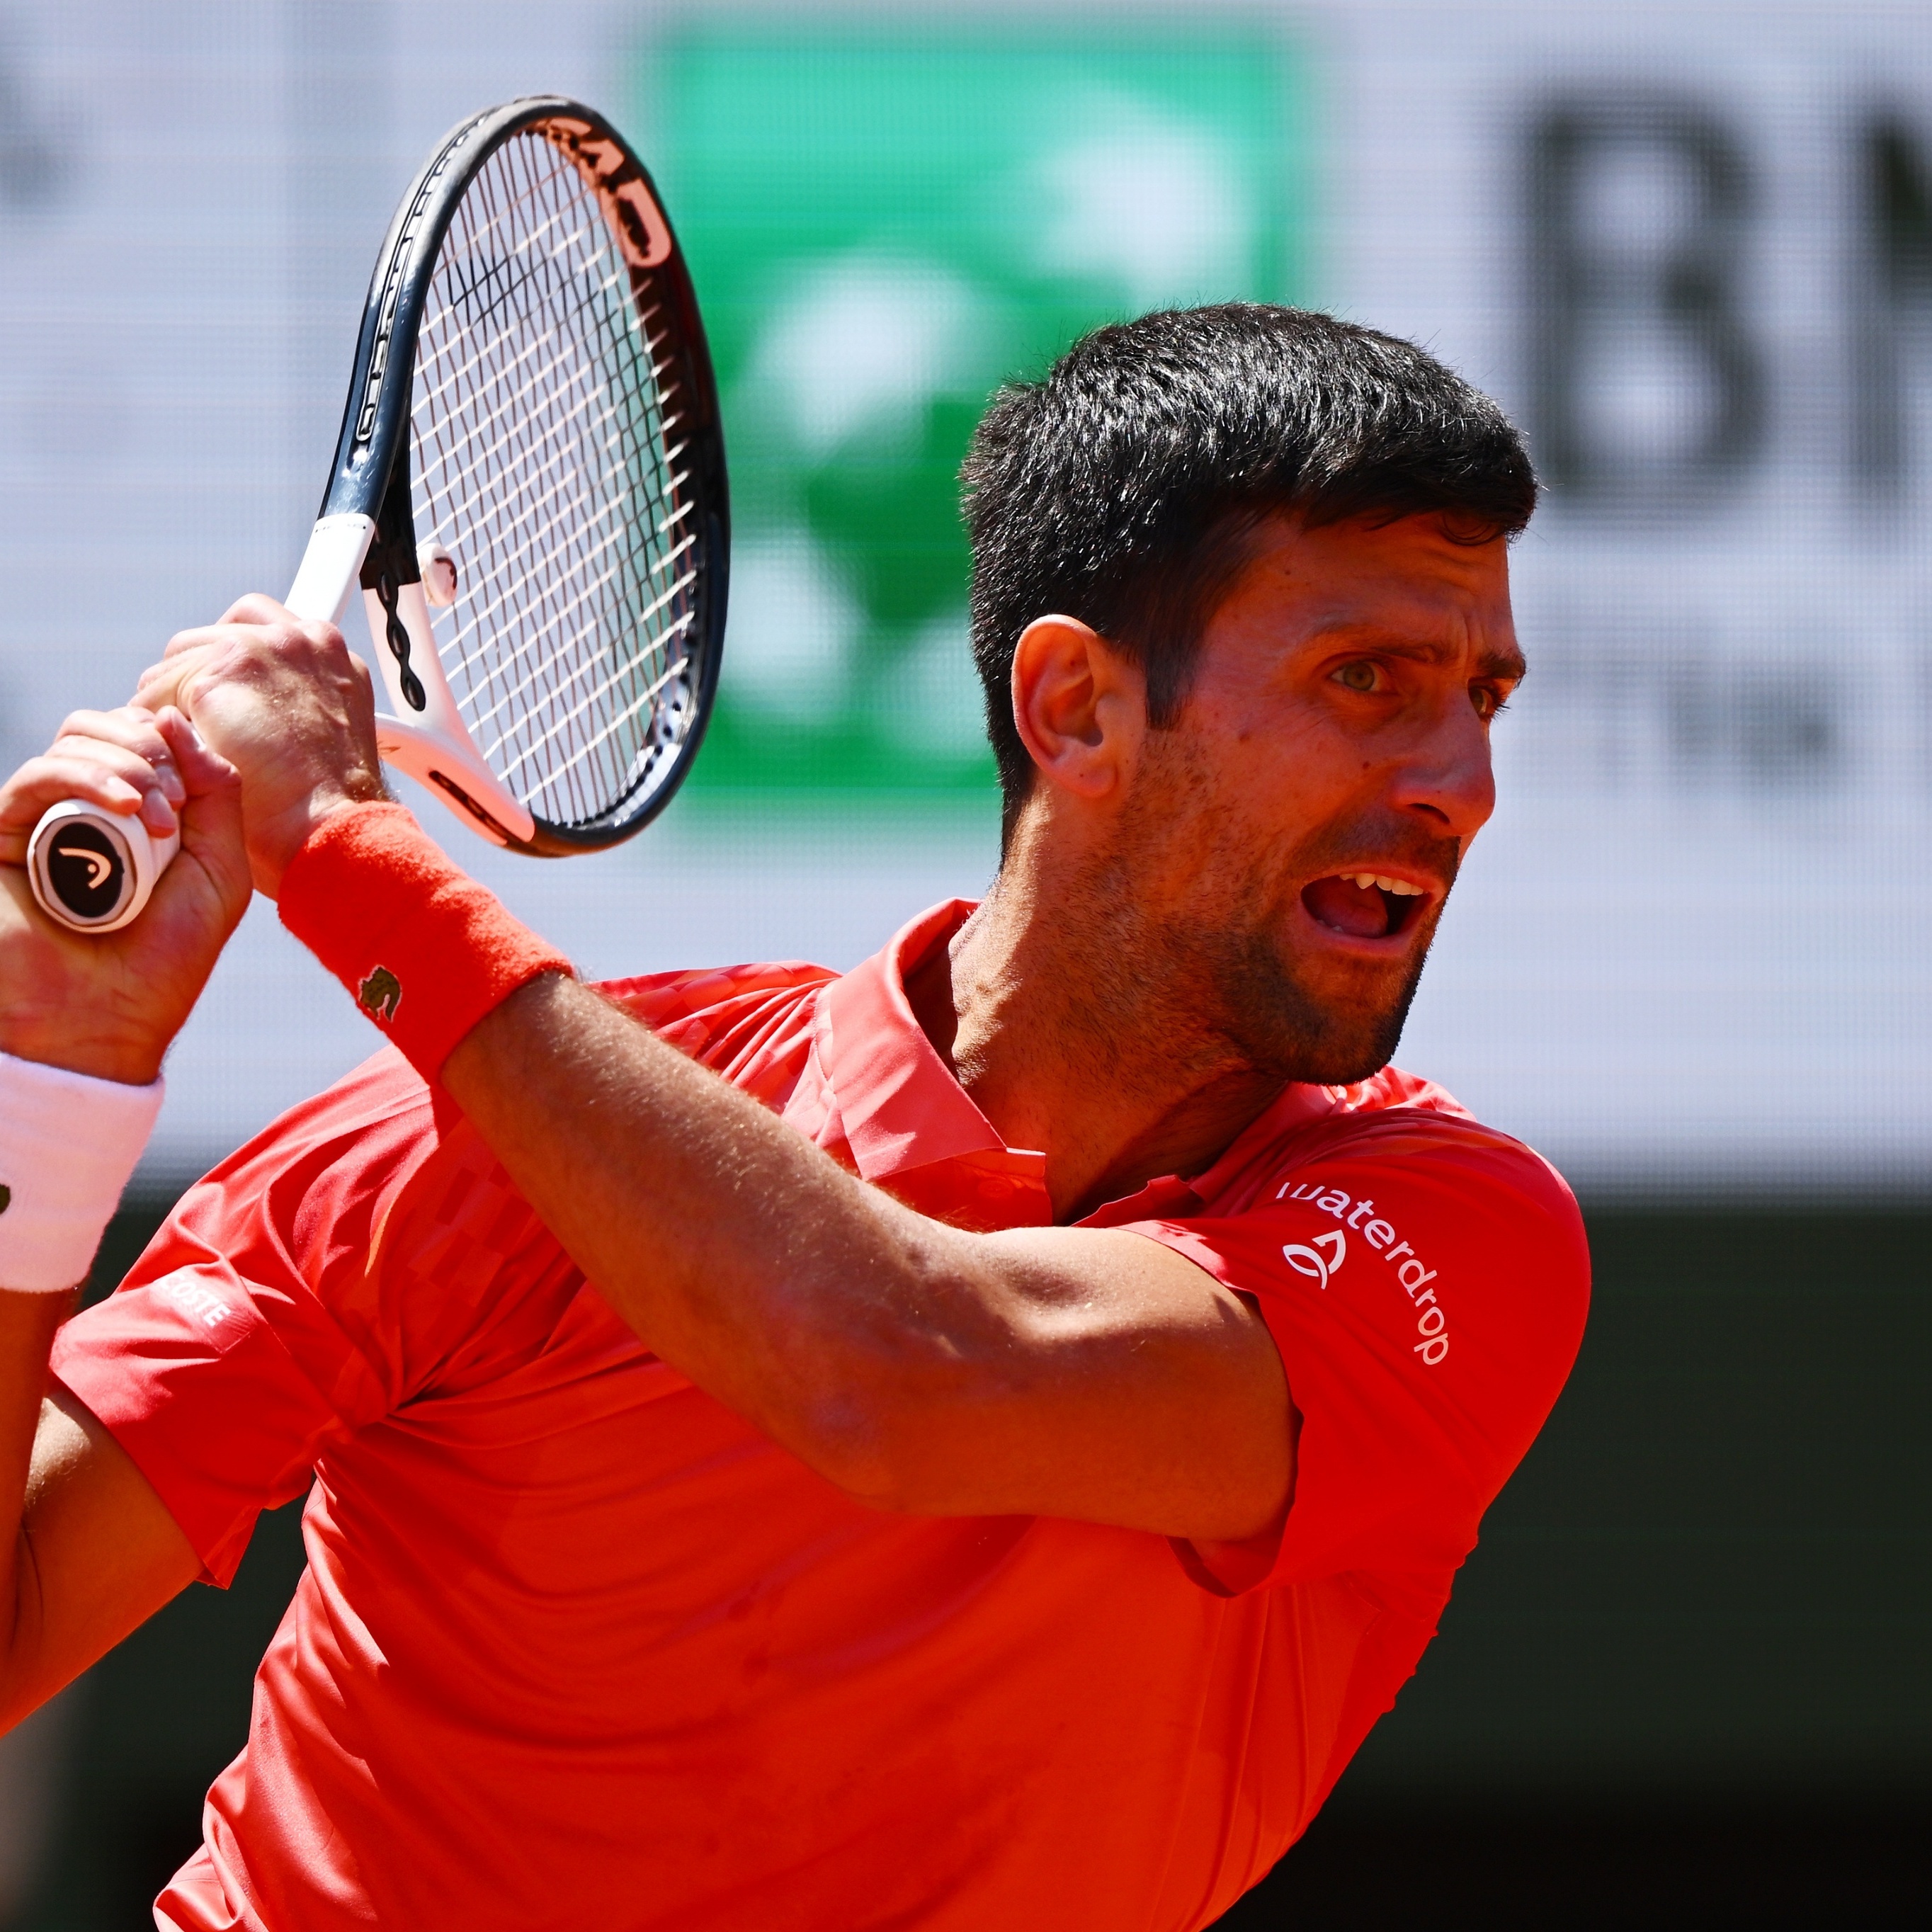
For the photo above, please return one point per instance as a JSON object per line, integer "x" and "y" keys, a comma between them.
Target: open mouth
{"x": 1365, "y": 905}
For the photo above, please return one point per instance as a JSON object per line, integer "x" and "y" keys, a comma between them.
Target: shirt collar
{"x": 903, "y": 1109}
{"x": 900, "y": 1104}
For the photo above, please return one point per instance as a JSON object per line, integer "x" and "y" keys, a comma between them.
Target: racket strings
{"x": 557, "y": 726}
{"x": 545, "y": 461}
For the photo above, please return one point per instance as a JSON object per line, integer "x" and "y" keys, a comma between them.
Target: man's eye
{"x": 1488, "y": 701}
{"x": 1359, "y": 675}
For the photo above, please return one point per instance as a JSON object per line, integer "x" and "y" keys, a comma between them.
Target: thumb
{"x": 202, "y": 769}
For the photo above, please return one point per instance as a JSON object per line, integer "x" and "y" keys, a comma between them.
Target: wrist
{"x": 68, "y": 1145}
{"x": 98, "y": 1046}
{"x": 424, "y": 951}
{"x": 128, "y": 1063}
{"x": 274, "y": 842}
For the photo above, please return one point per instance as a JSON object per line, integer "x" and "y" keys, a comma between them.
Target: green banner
{"x": 884, "y": 223}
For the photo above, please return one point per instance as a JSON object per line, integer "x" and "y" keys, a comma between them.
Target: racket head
{"x": 532, "y": 411}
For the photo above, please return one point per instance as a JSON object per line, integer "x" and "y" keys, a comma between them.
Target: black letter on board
{"x": 1896, "y": 292}
{"x": 1647, "y": 387}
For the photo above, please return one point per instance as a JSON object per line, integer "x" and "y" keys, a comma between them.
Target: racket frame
{"x": 369, "y": 480}
{"x": 365, "y": 533}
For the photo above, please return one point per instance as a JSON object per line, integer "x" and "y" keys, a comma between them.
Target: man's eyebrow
{"x": 1506, "y": 663}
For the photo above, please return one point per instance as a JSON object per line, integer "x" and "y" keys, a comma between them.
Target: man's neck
{"x": 1068, "y": 1048}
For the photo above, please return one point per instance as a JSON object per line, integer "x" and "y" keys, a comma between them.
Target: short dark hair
{"x": 1122, "y": 489}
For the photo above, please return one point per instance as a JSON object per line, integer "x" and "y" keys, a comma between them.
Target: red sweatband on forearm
{"x": 425, "y": 950}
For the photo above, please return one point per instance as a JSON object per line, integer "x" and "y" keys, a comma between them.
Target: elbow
{"x": 909, "y": 1438}
{"x": 891, "y": 1416}
{"x": 872, "y": 1451}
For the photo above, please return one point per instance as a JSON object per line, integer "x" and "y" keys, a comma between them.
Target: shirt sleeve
{"x": 250, "y": 1334}
{"x": 1427, "y": 1294}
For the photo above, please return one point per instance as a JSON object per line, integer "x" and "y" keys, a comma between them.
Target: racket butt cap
{"x": 93, "y": 870}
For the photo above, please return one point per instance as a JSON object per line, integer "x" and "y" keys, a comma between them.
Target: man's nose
{"x": 1447, "y": 778}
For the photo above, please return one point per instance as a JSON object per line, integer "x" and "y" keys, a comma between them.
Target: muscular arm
{"x": 87, "y": 1549}
{"x": 1082, "y": 1372}
{"x": 1062, "y": 1371}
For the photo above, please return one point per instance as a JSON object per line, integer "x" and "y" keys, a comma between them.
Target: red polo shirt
{"x": 576, "y": 1647}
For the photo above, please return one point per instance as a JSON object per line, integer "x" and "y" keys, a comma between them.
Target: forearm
{"x": 1085, "y": 1372}
{"x": 1074, "y": 1372}
{"x": 27, "y": 1326}
{"x": 69, "y": 1140}
{"x": 813, "y": 1305}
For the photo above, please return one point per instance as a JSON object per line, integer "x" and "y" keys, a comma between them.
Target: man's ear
{"x": 1080, "y": 707}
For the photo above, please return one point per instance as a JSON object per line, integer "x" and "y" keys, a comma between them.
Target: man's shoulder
{"x": 379, "y": 1125}
{"x": 736, "y": 1020}
{"x": 336, "y": 1161}
{"x": 383, "y": 1107}
{"x": 1395, "y": 1111}
{"x": 1399, "y": 1120}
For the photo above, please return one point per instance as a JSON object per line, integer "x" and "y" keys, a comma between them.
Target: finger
{"x": 132, "y": 728}
{"x": 128, "y": 743}
{"x": 45, "y": 782}
{"x": 200, "y": 640}
{"x": 191, "y": 639}
{"x": 243, "y": 621}
{"x": 39, "y": 782}
{"x": 203, "y": 769}
{"x": 160, "y": 685}
{"x": 198, "y": 647}
{"x": 258, "y": 608}
{"x": 130, "y": 725}
{"x": 126, "y": 766}
{"x": 212, "y": 835}
{"x": 245, "y": 653}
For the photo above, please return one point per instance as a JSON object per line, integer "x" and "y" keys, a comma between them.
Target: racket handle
{"x": 330, "y": 567}
{"x": 93, "y": 870}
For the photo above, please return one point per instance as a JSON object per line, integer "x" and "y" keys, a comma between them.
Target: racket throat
{"x": 388, "y": 567}
{"x": 451, "y": 769}
{"x": 395, "y": 633}
{"x": 434, "y": 746}
{"x": 427, "y": 737}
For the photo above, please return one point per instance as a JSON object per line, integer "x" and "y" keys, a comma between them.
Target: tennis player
{"x": 1037, "y": 1387}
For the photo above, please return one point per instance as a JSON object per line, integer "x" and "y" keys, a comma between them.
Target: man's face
{"x": 1337, "y": 730}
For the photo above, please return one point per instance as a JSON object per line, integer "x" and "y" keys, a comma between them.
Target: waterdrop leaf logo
{"x": 884, "y": 223}
{"x": 1320, "y": 1258}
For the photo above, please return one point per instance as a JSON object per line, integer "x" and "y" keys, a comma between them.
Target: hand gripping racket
{"x": 530, "y": 487}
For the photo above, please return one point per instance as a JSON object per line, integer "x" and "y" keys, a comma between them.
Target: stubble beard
{"x": 1277, "y": 1022}
{"x": 1212, "y": 988}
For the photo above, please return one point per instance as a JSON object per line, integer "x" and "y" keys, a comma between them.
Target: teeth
{"x": 1401, "y": 888}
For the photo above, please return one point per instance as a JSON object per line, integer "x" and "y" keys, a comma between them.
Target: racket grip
{"x": 92, "y": 869}
{"x": 330, "y": 564}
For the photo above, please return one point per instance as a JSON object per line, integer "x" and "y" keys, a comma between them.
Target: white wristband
{"x": 67, "y": 1144}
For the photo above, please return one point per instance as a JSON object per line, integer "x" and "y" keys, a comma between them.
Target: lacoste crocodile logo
{"x": 380, "y": 994}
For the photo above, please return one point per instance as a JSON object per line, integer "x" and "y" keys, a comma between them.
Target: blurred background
{"x": 1685, "y": 1676}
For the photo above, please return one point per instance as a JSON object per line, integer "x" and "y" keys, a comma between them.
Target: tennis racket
{"x": 529, "y": 487}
